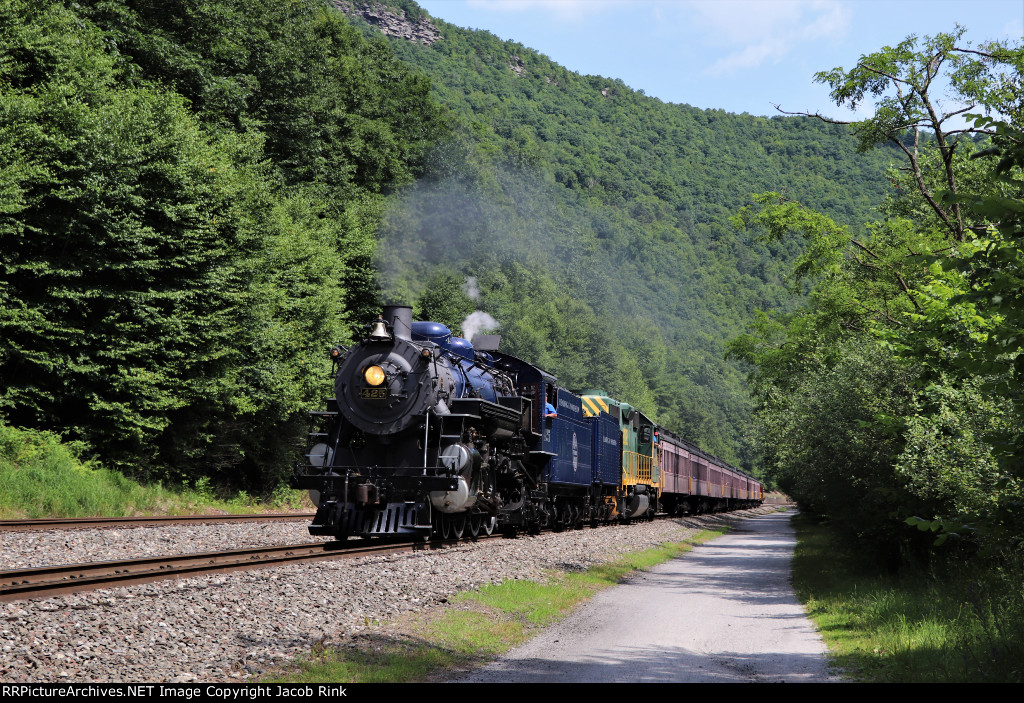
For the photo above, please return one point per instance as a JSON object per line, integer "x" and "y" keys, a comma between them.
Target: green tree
{"x": 444, "y": 300}
{"x": 119, "y": 276}
{"x": 921, "y": 296}
{"x": 188, "y": 201}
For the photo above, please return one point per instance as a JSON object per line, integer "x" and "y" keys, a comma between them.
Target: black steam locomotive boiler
{"x": 425, "y": 435}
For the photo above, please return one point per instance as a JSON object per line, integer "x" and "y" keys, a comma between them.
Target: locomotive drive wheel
{"x": 474, "y": 525}
{"x": 489, "y": 523}
{"x": 458, "y": 525}
{"x": 444, "y": 526}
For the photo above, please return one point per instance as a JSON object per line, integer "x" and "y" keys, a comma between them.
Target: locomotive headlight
{"x": 374, "y": 375}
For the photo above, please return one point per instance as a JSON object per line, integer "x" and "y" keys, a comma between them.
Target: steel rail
{"x": 19, "y": 584}
{"x": 43, "y": 582}
{"x": 142, "y": 521}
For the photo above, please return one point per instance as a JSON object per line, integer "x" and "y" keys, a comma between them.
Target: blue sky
{"x": 737, "y": 55}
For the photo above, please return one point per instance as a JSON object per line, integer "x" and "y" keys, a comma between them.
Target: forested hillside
{"x": 197, "y": 198}
{"x": 595, "y": 220}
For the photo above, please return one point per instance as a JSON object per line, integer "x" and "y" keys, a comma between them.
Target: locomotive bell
{"x": 379, "y": 330}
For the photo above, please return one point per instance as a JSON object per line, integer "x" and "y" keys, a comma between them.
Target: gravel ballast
{"x": 25, "y": 550}
{"x": 238, "y": 626}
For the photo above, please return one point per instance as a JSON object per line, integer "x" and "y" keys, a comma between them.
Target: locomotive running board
{"x": 497, "y": 420}
{"x": 485, "y": 409}
{"x": 409, "y": 478}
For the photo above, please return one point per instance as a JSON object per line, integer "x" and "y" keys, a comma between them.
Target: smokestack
{"x": 400, "y": 318}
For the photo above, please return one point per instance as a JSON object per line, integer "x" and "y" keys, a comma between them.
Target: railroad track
{"x": 144, "y": 521}
{"x": 19, "y": 584}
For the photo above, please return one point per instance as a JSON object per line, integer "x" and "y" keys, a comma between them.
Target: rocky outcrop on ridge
{"x": 392, "y": 21}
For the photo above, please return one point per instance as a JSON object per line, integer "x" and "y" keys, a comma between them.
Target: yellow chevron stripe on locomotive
{"x": 593, "y": 405}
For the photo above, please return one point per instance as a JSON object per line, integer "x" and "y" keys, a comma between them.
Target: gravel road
{"x": 723, "y": 613}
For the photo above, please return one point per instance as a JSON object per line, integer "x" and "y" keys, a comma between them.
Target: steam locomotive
{"x": 428, "y": 435}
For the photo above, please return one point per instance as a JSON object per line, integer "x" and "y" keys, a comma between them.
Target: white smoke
{"x": 478, "y": 321}
{"x": 470, "y": 288}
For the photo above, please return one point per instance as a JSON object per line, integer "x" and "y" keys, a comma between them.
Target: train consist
{"x": 429, "y": 436}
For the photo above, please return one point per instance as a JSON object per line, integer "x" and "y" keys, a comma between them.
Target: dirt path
{"x": 726, "y": 612}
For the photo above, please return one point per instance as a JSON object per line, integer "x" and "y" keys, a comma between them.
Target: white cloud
{"x": 1013, "y": 30}
{"x": 749, "y": 57}
{"x": 753, "y": 32}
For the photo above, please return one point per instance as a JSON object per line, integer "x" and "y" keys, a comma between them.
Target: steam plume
{"x": 470, "y": 289}
{"x": 478, "y": 321}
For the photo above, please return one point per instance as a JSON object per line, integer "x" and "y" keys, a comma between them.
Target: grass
{"x": 476, "y": 627}
{"x": 42, "y": 476}
{"x": 960, "y": 624}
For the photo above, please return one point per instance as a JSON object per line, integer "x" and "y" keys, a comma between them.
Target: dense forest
{"x": 197, "y": 199}
{"x": 189, "y": 195}
{"x": 596, "y": 223}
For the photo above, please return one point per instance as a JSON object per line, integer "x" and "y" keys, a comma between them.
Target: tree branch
{"x": 923, "y": 188}
{"x": 899, "y": 278}
{"x": 958, "y": 112}
{"x": 812, "y": 114}
{"x": 872, "y": 311}
{"x": 973, "y": 131}
{"x": 980, "y": 53}
{"x": 864, "y": 248}
{"x": 894, "y": 79}
{"x": 865, "y": 264}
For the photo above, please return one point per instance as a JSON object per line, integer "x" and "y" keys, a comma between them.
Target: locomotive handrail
{"x": 636, "y": 468}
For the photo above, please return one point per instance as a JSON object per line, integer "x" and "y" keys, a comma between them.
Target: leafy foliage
{"x": 929, "y": 298}
{"x": 189, "y": 199}
{"x": 596, "y": 221}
